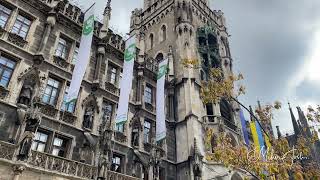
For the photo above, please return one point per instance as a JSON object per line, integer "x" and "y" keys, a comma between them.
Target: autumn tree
{"x": 279, "y": 161}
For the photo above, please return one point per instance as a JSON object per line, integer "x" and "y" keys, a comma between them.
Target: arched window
{"x": 164, "y": 32}
{"x": 226, "y": 110}
{"x": 159, "y": 57}
{"x": 212, "y": 40}
{"x": 151, "y": 38}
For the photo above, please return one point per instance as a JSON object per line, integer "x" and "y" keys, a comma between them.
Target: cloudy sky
{"x": 274, "y": 43}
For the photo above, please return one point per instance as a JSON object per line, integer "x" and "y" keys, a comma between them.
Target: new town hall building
{"x": 42, "y": 137}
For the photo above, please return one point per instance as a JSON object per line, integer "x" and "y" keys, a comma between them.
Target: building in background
{"x": 43, "y": 137}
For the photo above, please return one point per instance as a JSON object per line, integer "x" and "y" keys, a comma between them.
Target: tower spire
{"x": 294, "y": 122}
{"x": 278, "y": 132}
{"x": 107, "y": 10}
{"x": 106, "y": 19}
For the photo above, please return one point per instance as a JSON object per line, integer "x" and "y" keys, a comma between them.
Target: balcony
{"x": 44, "y": 163}
{"x": 61, "y": 62}
{"x": 111, "y": 88}
{"x": 17, "y": 40}
{"x": 210, "y": 119}
{"x": 6, "y": 150}
{"x": 61, "y": 165}
{"x": 117, "y": 176}
{"x": 230, "y": 125}
{"x": 67, "y": 117}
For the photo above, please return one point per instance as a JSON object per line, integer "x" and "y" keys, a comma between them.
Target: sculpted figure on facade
{"x": 27, "y": 92}
{"x": 88, "y": 117}
{"x": 32, "y": 123}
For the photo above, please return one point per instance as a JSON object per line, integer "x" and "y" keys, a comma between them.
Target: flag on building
{"x": 84, "y": 55}
{"x": 161, "y": 116}
{"x": 126, "y": 81}
{"x": 255, "y": 136}
{"x": 260, "y": 137}
{"x": 267, "y": 140}
{"x": 244, "y": 128}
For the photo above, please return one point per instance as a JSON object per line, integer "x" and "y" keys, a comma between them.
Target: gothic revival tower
{"x": 188, "y": 30}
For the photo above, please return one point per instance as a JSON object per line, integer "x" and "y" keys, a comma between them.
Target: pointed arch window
{"x": 164, "y": 32}
{"x": 151, "y": 38}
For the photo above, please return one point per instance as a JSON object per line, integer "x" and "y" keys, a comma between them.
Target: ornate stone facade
{"x": 40, "y": 133}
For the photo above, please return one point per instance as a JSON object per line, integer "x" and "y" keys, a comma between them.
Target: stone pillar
{"x": 17, "y": 170}
{"x": 51, "y": 21}
{"x": 101, "y": 55}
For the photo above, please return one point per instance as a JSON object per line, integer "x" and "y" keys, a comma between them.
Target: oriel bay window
{"x": 21, "y": 26}
{"x": 6, "y": 69}
{"x": 51, "y": 92}
{"x": 4, "y": 15}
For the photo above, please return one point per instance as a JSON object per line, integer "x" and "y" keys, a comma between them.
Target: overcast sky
{"x": 274, "y": 43}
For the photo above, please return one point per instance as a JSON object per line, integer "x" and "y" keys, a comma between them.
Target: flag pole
{"x": 89, "y": 7}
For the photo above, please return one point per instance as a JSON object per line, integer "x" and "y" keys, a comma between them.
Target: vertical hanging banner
{"x": 244, "y": 128}
{"x": 255, "y": 135}
{"x": 161, "y": 117}
{"x": 83, "y": 56}
{"x": 126, "y": 81}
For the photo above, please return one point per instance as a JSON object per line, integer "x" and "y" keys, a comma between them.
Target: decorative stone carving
{"x": 43, "y": 5}
{"x": 2, "y": 31}
{"x": 112, "y": 88}
{"x": 17, "y": 40}
{"x": 88, "y": 117}
{"x": 149, "y": 107}
{"x": 61, "y": 165}
{"x": 48, "y": 110}
{"x": 6, "y": 150}
{"x": 18, "y": 169}
{"x": 60, "y": 62}
{"x": 21, "y": 115}
{"x": 104, "y": 166}
{"x": 197, "y": 162}
{"x": 32, "y": 122}
{"x": 120, "y": 137}
{"x": 67, "y": 117}
{"x": 31, "y": 83}
{"x": 27, "y": 92}
{"x": 3, "y": 92}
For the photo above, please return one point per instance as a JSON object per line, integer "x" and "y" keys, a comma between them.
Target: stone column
{"x": 51, "y": 21}
{"x": 101, "y": 55}
{"x": 17, "y": 170}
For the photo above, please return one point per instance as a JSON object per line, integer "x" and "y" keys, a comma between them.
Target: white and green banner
{"x": 83, "y": 56}
{"x": 161, "y": 116}
{"x": 126, "y": 81}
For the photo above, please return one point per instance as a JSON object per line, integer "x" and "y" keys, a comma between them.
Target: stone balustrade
{"x": 117, "y": 176}
{"x": 6, "y": 150}
{"x": 62, "y": 165}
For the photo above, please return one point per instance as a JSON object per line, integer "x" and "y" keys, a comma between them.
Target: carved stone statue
{"x": 26, "y": 93}
{"x": 26, "y": 142}
{"x": 104, "y": 166}
{"x": 88, "y": 117}
{"x": 135, "y": 137}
